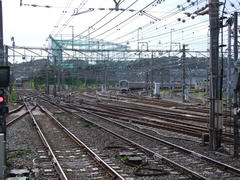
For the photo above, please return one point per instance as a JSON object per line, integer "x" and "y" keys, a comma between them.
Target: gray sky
{"x": 161, "y": 22}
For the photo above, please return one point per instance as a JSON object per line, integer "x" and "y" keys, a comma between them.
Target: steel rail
{"x": 169, "y": 123}
{"x": 145, "y": 105}
{"x": 114, "y": 173}
{"x": 154, "y": 154}
{"x": 56, "y": 164}
{"x": 8, "y": 124}
{"x": 193, "y": 131}
{"x": 15, "y": 110}
{"x": 226, "y": 166}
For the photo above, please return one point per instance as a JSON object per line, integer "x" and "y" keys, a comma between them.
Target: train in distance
{"x": 19, "y": 81}
{"x": 127, "y": 86}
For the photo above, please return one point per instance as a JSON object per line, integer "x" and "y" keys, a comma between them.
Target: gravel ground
{"x": 110, "y": 147}
{"x": 24, "y": 148}
{"x": 23, "y": 143}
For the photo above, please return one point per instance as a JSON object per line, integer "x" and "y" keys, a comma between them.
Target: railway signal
{"x": 3, "y": 104}
{"x": 4, "y": 83}
{"x": 2, "y": 99}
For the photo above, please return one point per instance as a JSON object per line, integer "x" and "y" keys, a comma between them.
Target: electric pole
{"x": 215, "y": 103}
{"x": 184, "y": 72}
{"x": 47, "y": 75}
{"x": 72, "y": 36}
{"x": 236, "y": 89}
{"x": 105, "y": 72}
{"x": 55, "y": 76}
{"x": 1, "y": 36}
{"x": 152, "y": 73}
{"x": 229, "y": 78}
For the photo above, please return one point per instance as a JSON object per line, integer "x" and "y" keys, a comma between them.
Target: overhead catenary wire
{"x": 65, "y": 24}
{"x": 98, "y": 21}
{"x": 112, "y": 19}
{"x": 95, "y": 31}
{"x": 172, "y": 13}
{"x": 63, "y": 13}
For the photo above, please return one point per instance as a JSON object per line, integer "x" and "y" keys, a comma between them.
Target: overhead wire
{"x": 64, "y": 25}
{"x": 63, "y": 14}
{"x": 98, "y": 21}
{"x": 146, "y": 25}
{"x": 166, "y": 33}
{"x": 112, "y": 19}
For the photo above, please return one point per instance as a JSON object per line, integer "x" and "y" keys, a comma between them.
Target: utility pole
{"x": 105, "y": 72}
{"x": 6, "y": 55}
{"x": 47, "y": 75}
{"x": 55, "y": 76}
{"x": 229, "y": 78}
{"x": 184, "y": 72}
{"x": 140, "y": 28}
{"x": 215, "y": 103}
{"x": 1, "y": 36}
{"x": 32, "y": 78}
{"x": 236, "y": 74}
{"x": 152, "y": 75}
{"x": 62, "y": 78}
{"x": 89, "y": 37}
{"x": 170, "y": 41}
{"x": 58, "y": 78}
{"x": 72, "y": 36}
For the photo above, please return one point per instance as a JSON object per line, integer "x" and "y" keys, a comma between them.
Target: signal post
{"x": 4, "y": 83}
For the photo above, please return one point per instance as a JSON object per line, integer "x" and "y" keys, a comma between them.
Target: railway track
{"x": 22, "y": 114}
{"x": 182, "y": 114}
{"x": 72, "y": 159}
{"x": 199, "y": 166}
{"x": 181, "y": 121}
{"x": 158, "y": 102}
{"x": 110, "y": 148}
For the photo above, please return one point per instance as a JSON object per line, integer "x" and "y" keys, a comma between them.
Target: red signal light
{"x": 1, "y": 99}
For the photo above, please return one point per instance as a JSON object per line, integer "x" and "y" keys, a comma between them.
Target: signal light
{"x": 1, "y": 95}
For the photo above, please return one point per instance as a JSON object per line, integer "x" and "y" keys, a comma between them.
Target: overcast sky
{"x": 30, "y": 26}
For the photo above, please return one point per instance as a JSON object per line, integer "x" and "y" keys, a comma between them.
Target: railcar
{"x": 201, "y": 85}
{"x": 123, "y": 85}
{"x": 126, "y": 86}
{"x": 18, "y": 82}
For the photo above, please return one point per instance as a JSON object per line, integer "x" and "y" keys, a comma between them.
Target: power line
{"x": 113, "y": 18}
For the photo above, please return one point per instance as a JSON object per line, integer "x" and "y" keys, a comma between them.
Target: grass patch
{"x": 19, "y": 153}
{"x": 70, "y": 117}
{"x": 16, "y": 154}
{"x": 123, "y": 158}
{"x": 87, "y": 125}
{"x": 9, "y": 164}
{"x": 13, "y": 97}
{"x": 30, "y": 84}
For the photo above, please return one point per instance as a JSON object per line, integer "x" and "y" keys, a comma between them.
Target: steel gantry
{"x": 88, "y": 49}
